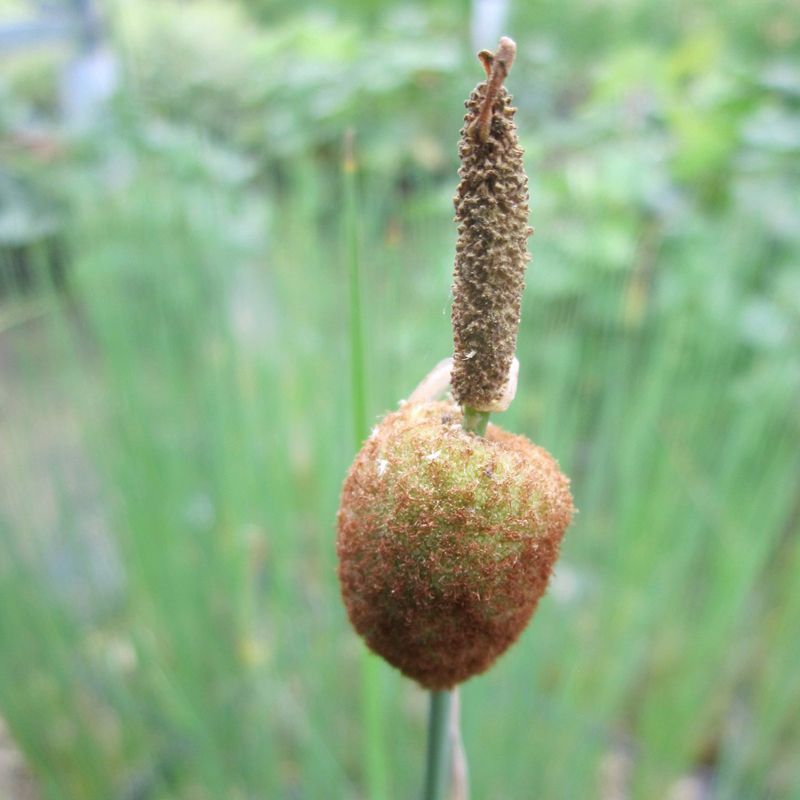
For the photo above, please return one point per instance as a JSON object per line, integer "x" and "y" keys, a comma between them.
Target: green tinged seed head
{"x": 491, "y": 254}
{"x": 446, "y": 541}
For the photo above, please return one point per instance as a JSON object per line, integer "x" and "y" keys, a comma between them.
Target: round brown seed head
{"x": 446, "y": 541}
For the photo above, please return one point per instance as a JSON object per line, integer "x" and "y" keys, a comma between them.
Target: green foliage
{"x": 287, "y": 88}
{"x": 175, "y": 422}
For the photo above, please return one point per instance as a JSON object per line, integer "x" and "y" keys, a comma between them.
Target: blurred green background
{"x": 177, "y": 413}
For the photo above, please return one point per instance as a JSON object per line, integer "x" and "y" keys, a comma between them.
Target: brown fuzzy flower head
{"x": 446, "y": 541}
{"x": 491, "y": 254}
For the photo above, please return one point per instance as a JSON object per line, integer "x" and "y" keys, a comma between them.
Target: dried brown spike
{"x": 491, "y": 254}
{"x": 486, "y": 57}
{"x": 497, "y": 67}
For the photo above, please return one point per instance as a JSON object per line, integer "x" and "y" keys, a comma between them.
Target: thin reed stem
{"x": 442, "y": 728}
{"x": 438, "y": 758}
{"x": 437, "y": 767}
{"x": 372, "y": 713}
{"x": 475, "y": 421}
{"x": 357, "y": 371}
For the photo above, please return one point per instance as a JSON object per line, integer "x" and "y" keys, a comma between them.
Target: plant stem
{"x": 357, "y": 378}
{"x": 372, "y": 715}
{"x": 439, "y": 735}
{"x": 438, "y": 759}
{"x": 475, "y": 421}
{"x": 438, "y": 762}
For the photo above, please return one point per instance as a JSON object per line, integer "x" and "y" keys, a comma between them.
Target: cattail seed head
{"x": 491, "y": 253}
{"x": 446, "y": 541}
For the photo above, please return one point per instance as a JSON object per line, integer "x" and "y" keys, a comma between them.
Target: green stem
{"x": 357, "y": 377}
{"x": 438, "y": 759}
{"x": 438, "y": 763}
{"x": 372, "y": 712}
{"x": 475, "y": 421}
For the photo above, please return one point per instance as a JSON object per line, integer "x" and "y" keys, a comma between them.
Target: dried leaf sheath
{"x": 491, "y": 254}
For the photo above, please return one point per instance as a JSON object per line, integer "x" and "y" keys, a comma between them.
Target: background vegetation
{"x": 176, "y": 413}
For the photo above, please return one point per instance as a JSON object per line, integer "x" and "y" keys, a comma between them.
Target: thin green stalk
{"x": 475, "y": 421}
{"x": 438, "y": 758}
{"x": 374, "y": 744}
{"x": 357, "y": 372}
